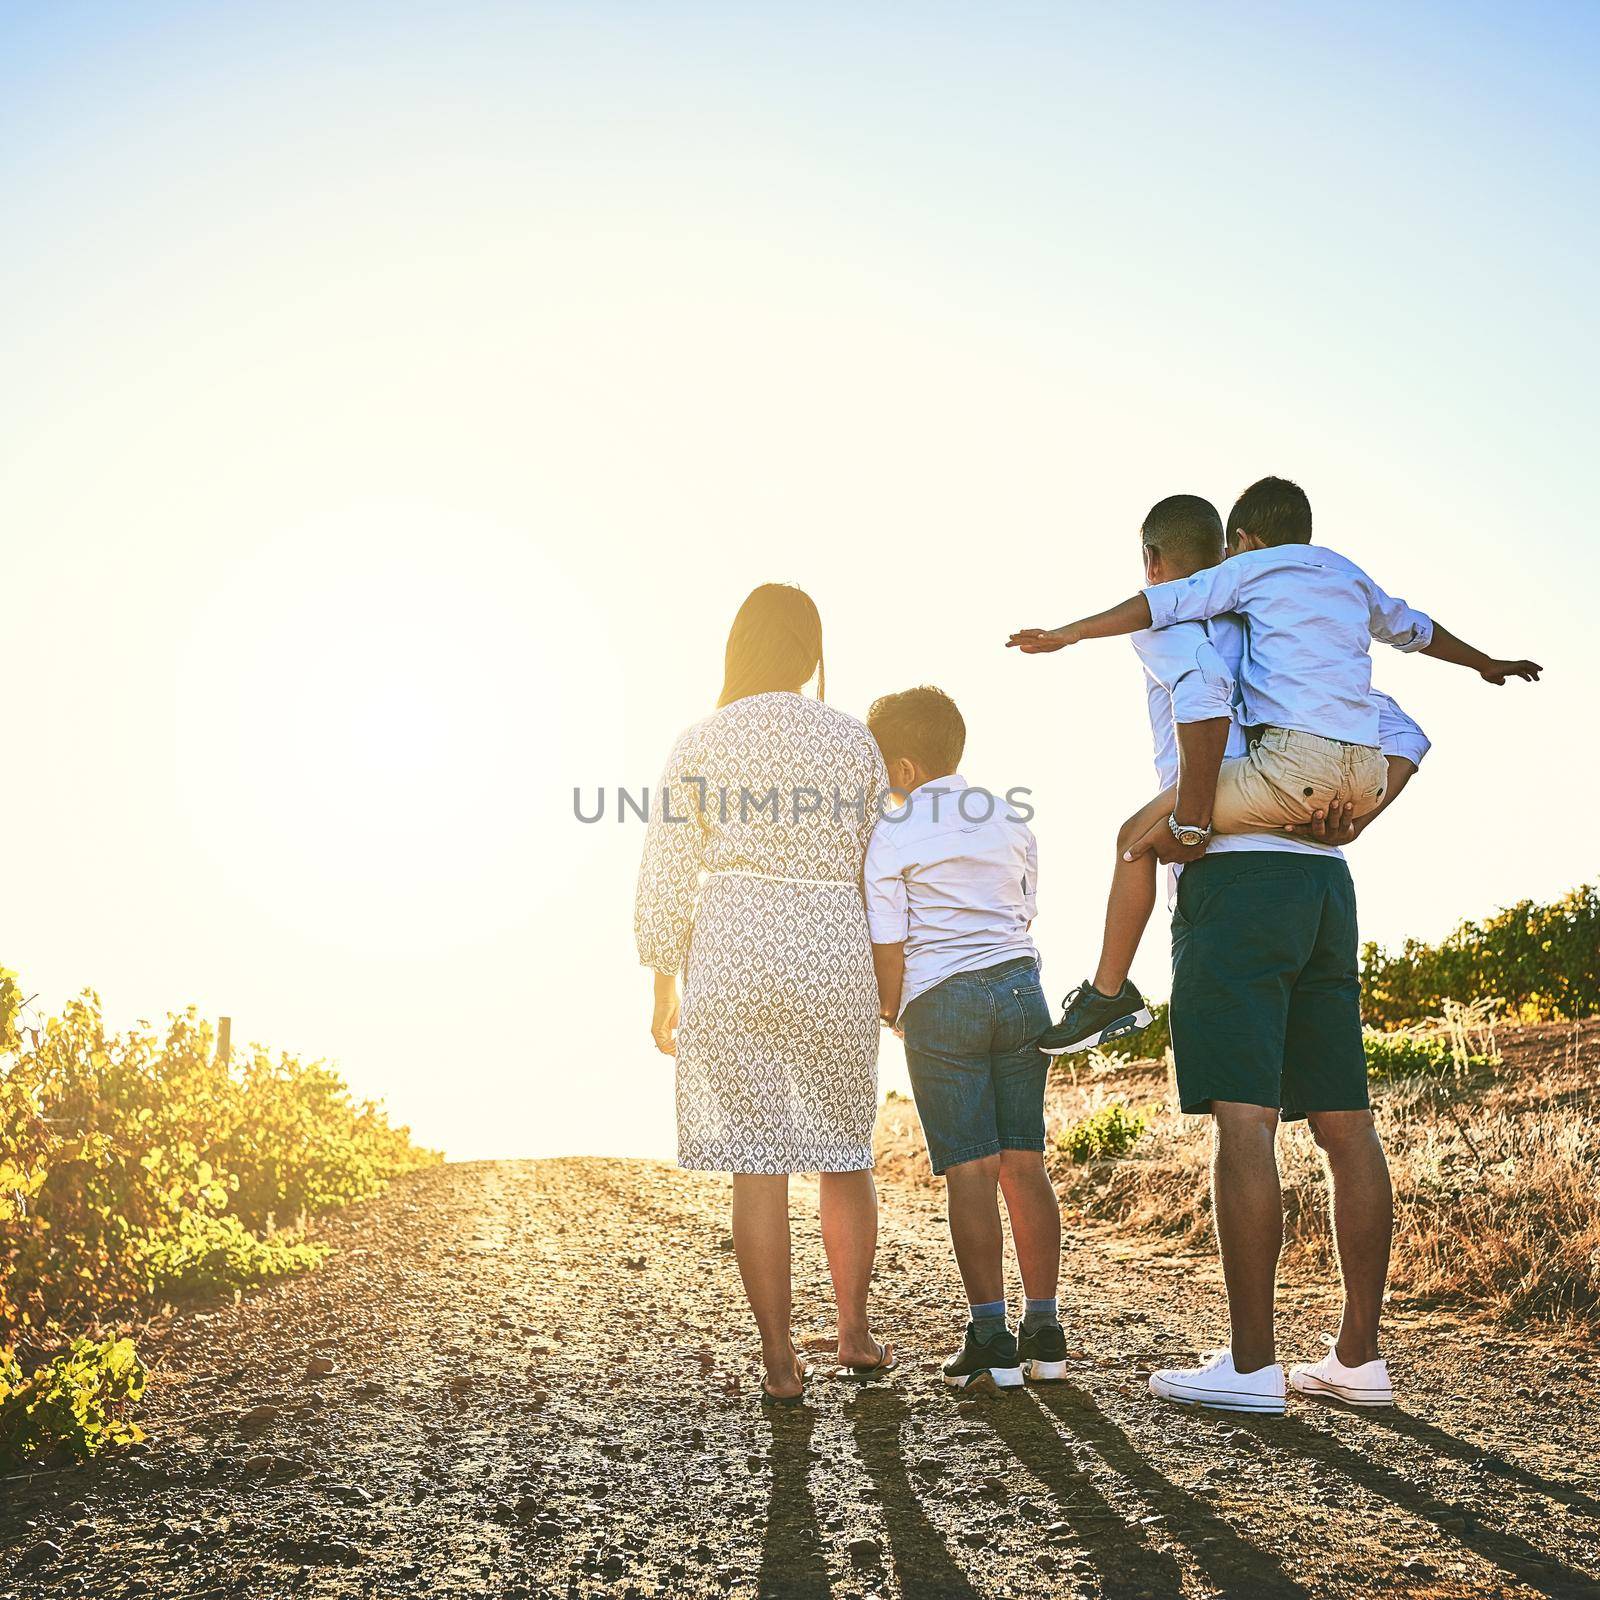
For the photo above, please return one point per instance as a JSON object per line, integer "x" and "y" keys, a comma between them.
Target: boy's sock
{"x": 988, "y": 1319}
{"x": 1039, "y": 1314}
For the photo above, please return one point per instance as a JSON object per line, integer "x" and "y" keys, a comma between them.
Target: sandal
{"x": 885, "y": 1364}
{"x": 802, "y": 1372}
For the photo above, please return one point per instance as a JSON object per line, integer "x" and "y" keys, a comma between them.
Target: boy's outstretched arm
{"x": 1131, "y": 616}
{"x": 1446, "y": 647}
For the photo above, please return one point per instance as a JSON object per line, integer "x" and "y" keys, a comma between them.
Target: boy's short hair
{"x": 921, "y": 725}
{"x": 1275, "y": 511}
{"x": 1184, "y": 528}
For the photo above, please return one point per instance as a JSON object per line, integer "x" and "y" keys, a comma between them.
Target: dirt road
{"x": 542, "y": 1384}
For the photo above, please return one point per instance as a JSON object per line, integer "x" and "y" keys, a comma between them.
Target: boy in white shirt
{"x": 950, "y": 883}
{"x": 1306, "y": 701}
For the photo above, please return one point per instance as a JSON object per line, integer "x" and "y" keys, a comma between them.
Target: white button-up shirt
{"x": 1310, "y": 616}
{"x": 1179, "y": 680}
{"x": 954, "y": 873}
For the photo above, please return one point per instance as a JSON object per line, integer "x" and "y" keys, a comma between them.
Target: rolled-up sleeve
{"x": 1398, "y": 735}
{"x": 1206, "y": 691}
{"x": 888, "y": 914}
{"x": 1395, "y": 623}
{"x": 1195, "y": 599}
{"x": 1186, "y": 664}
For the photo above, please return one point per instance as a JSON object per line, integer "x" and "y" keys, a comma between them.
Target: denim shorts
{"x": 976, "y": 1069}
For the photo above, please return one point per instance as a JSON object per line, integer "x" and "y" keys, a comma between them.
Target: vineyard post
{"x": 224, "y": 1039}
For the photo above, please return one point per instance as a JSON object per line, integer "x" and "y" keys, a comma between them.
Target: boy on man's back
{"x": 1305, "y": 700}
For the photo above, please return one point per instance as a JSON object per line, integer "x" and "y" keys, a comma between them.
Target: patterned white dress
{"x": 772, "y": 799}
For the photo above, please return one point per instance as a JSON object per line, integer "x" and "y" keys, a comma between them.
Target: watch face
{"x": 1187, "y": 834}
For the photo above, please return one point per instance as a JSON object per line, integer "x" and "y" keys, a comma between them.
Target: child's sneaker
{"x": 1331, "y": 1379}
{"x": 1090, "y": 1018}
{"x": 994, "y": 1358}
{"x": 1216, "y": 1385}
{"x": 1043, "y": 1353}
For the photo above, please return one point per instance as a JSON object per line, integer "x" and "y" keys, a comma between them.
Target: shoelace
{"x": 1332, "y": 1342}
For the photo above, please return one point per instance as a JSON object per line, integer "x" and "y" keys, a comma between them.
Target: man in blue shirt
{"x": 1265, "y": 1015}
{"x": 1309, "y": 617}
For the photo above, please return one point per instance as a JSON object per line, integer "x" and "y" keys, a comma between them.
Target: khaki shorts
{"x": 1288, "y": 774}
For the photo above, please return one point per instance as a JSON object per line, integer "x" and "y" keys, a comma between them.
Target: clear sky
{"x": 399, "y": 400}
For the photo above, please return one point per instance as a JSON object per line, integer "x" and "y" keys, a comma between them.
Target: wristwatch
{"x": 1187, "y": 834}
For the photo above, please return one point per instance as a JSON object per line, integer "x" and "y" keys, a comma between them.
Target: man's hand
{"x": 1334, "y": 827}
{"x": 1338, "y": 827}
{"x": 664, "y": 1022}
{"x": 1496, "y": 672}
{"x": 1159, "y": 841}
{"x": 1039, "y": 641}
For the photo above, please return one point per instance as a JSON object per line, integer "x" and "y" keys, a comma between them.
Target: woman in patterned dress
{"x": 772, "y": 799}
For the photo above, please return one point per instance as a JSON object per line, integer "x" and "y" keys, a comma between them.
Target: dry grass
{"x": 1498, "y": 1183}
{"x": 1496, "y": 1168}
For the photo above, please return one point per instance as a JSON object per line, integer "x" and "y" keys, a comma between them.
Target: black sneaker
{"x": 995, "y": 1359}
{"x": 1090, "y": 1018}
{"x": 1043, "y": 1353}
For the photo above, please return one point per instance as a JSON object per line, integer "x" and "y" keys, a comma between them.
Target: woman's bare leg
{"x": 761, "y": 1244}
{"x": 1132, "y": 897}
{"x": 848, "y": 1202}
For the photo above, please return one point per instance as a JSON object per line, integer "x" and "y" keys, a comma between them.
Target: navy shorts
{"x": 1266, "y": 988}
{"x": 976, "y": 1069}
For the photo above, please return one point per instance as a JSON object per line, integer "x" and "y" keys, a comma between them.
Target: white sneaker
{"x": 1215, "y": 1383}
{"x": 1366, "y": 1385}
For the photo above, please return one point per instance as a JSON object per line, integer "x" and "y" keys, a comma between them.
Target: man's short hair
{"x": 1275, "y": 511}
{"x": 1185, "y": 529}
{"x": 921, "y": 725}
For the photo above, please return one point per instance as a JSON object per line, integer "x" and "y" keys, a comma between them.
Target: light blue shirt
{"x": 1220, "y": 645}
{"x": 1310, "y": 617}
{"x": 954, "y": 873}
{"x": 1185, "y": 680}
